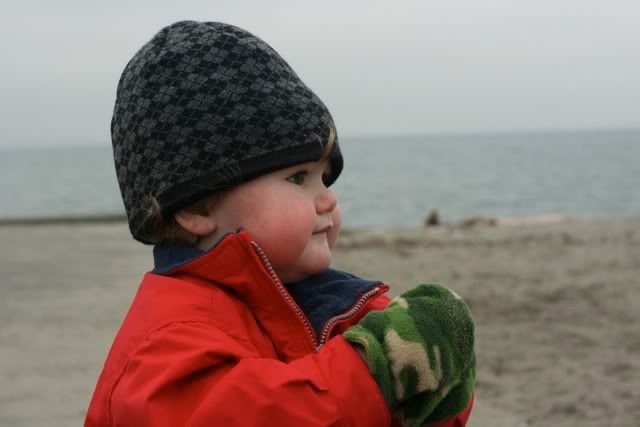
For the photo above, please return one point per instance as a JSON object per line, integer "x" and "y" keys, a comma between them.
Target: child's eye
{"x": 298, "y": 177}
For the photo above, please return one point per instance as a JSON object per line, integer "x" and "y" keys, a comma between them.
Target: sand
{"x": 556, "y": 305}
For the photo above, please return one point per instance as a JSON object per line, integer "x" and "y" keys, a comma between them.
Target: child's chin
{"x": 309, "y": 270}
{"x": 320, "y": 267}
{"x": 322, "y": 260}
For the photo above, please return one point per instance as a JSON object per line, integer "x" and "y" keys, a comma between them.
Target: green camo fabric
{"x": 420, "y": 352}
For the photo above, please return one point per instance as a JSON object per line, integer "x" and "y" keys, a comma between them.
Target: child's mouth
{"x": 323, "y": 230}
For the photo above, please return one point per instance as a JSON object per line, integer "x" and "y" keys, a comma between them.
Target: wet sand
{"x": 555, "y": 303}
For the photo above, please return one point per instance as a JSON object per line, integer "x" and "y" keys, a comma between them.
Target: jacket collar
{"x": 328, "y": 294}
{"x": 235, "y": 262}
{"x": 167, "y": 257}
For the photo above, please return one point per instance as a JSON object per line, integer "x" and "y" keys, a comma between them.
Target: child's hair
{"x": 331, "y": 140}
{"x": 158, "y": 229}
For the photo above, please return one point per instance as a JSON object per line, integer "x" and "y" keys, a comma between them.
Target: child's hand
{"x": 420, "y": 352}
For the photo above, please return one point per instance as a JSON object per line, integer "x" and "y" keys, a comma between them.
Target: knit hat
{"x": 205, "y": 106}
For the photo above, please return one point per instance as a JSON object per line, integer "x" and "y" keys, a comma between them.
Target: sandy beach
{"x": 555, "y": 303}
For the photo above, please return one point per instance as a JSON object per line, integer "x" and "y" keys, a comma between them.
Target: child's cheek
{"x": 284, "y": 237}
{"x": 334, "y": 232}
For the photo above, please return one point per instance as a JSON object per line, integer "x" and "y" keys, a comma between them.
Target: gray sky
{"x": 392, "y": 67}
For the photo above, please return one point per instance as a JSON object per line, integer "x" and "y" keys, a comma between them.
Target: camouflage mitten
{"x": 420, "y": 352}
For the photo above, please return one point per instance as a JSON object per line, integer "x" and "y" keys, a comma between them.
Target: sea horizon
{"x": 387, "y": 180}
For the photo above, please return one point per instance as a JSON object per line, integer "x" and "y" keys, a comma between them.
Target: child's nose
{"x": 326, "y": 201}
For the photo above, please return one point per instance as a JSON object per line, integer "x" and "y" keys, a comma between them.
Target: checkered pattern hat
{"x": 204, "y": 106}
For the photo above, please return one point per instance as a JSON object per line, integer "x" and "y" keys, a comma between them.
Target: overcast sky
{"x": 391, "y": 67}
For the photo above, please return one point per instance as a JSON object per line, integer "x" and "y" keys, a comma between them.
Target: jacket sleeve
{"x": 194, "y": 374}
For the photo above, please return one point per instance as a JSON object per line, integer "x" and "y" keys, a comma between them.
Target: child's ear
{"x": 197, "y": 219}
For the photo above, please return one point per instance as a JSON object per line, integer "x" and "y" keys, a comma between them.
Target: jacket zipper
{"x": 346, "y": 315}
{"x": 286, "y": 296}
{"x": 298, "y": 311}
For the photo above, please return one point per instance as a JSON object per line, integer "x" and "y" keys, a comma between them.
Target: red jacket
{"x": 218, "y": 341}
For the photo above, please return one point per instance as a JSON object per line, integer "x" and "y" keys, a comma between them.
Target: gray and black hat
{"x": 205, "y": 106}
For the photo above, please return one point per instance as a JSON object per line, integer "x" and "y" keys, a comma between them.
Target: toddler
{"x": 225, "y": 160}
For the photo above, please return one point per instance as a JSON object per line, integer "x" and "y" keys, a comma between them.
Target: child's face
{"x": 290, "y": 213}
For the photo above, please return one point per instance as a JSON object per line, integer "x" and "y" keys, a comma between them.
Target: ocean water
{"x": 387, "y": 181}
